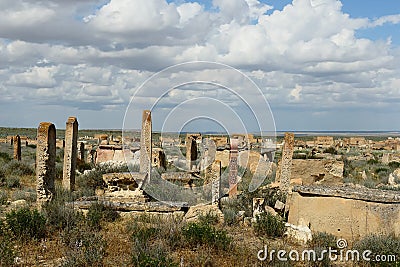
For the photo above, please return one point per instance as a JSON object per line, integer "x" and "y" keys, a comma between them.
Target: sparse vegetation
{"x": 387, "y": 245}
{"x": 26, "y": 224}
{"x": 269, "y": 225}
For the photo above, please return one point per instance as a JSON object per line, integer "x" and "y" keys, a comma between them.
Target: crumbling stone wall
{"x": 345, "y": 212}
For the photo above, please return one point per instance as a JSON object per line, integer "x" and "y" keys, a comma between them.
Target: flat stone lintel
{"x": 133, "y": 206}
{"x": 348, "y": 192}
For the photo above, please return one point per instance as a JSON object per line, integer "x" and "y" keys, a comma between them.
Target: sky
{"x": 201, "y": 65}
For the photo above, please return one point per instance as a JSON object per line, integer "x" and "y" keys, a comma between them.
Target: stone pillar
{"x": 81, "y": 150}
{"x": 70, "y": 153}
{"x": 216, "y": 181}
{"x": 286, "y": 162}
{"x": 145, "y": 144}
{"x": 17, "y": 147}
{"x": 233, "y": 168}
{"x": 45, "y": 163}
{"x": 191, "y": 151}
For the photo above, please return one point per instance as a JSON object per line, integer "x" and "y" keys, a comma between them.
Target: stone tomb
{"x": 344, "y": 211}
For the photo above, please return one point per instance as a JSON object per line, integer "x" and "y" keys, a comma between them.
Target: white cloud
{"x": 82, "y": 55}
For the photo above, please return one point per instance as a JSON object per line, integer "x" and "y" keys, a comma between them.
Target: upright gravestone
{"x": 191, "y": 151}
{"x": 145, "y": 144}
{"x": 17, "y": 147}
{"x": 233, "y": 168}
{"x": 45, "y": 163}
{"x": 286, "y": 162}
{"x": 216, "y": 181}
{"x": 70, "y": 153}
{"x": 81, "y": 150}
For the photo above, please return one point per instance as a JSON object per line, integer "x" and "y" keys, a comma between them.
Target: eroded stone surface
{"x": 45, "y": 162}
{"x": 233, "y": 168}
{"x": 17, "y": 147}
{"x": 286, "y": 162}
{"x": 70, "y": 153}
{"x": 145, "y": 144}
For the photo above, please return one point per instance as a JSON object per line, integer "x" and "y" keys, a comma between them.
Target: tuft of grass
{"x": 7, "y": 252}
{"x": 201, "y": 233}
{"x": 99, "y": 212}
{"x": 269, "y": 225}
{"x": 84, "y": 247}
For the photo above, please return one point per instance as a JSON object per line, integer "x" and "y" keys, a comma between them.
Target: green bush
{"x": 3, "y": 197}
{"x": 380, "y": 245}
{"x": 229, "y": 216}
{"x": 5, "y": 156}
{"x": 151, "y": 257}
{"x": 94, "y": 178}
{"x": 99, "y": 212}
{"x": 269, "y": 225}
{"x": 12, "y": 182}
{"x": 394, "y": 165}
{"x": 206, "y": 234}
{"x": 85, "y": 247}
{"x": 26, "y": 223}
{"x": 150, "y": 238}
{"x": 18, "y": 168}
{"x": 58, "y": 215}
{"x": 7, "y": 253}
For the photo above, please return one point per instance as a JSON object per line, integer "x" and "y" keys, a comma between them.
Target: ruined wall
{"x": 344, "y": 216}
{"x": 310, "y": 171}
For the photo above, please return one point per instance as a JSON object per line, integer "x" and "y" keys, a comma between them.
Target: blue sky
{"x": 319, "y": 64}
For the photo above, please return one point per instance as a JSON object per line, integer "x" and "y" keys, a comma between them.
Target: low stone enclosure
{"x": 345, "y": 211}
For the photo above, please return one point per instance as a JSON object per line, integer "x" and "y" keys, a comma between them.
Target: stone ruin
{"x": 45, "y": 163}
{"x": 233, "y": 168}
{"x": 145, "y": 144}
{"x": 345, "y": 211}
{"x": 286, "y": 162}
{"x": 191, "y": 151}
{"x": 17, "y": 147}
{"x": 70, "y": 153}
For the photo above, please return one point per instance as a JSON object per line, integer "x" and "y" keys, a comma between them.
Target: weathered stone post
{"x": 81, "y": 151}
{"x": 286, "y": 162}
{"x": 45, "y": 163}
{"x": 191, "y": 151}
{"x": 216, "y": 181}
{"x": 145, "y": 144}
{"x": 17, "y": 147}
{"x": 233, "y": 168}
{"x": 70, "y": 153}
